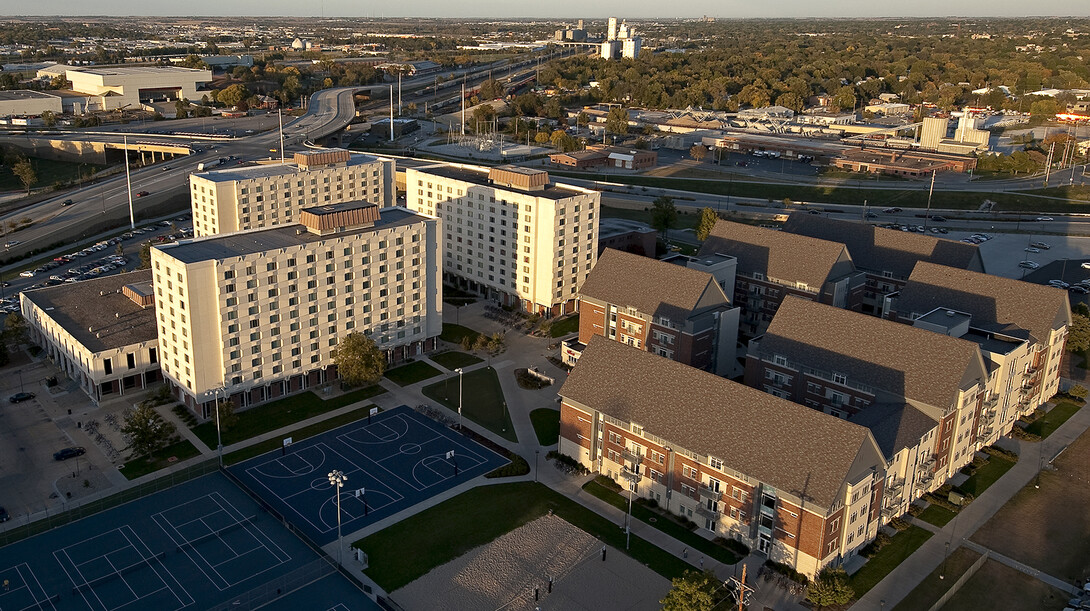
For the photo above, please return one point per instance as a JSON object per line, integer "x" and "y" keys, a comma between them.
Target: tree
{"x": 491, "y": 89}
{"x": 1078, "y": 334}
{"x": 1078, "y": 392}
{"x": 844, "y": 98}
{"x": 235, "y": 94}
{"x": 617, "y": 121}
{"x": 358, "y": 360}
{"x": 663, "y": 214}
{"x": 145, "y": 256}
{"x": 49, "y": 119}
{"x": 120, "y": 250}
{"x": 25, "y": 172}
{"x": 791, "y": 100}
{"x": 830, "y": 588}
{"x": 708, "y": 217}
{"x": 541, "y": 137}
{"x": 698, "y": 152}
{"x": 582, "y": 119}
{"x": 227, "y": 415}
{"x": 694, "y": 591}
{"x": 147, "y": 430}
{"x": 15, "y": 329}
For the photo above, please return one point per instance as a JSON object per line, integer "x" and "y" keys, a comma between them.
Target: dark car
{"x": 143, "y": 193}
{"x": 871, "y": 215}
{"x": 4, "y": 517}
{"x": 939, "y": 219}
{"x": 19, "y": 397}
{"x": 67, "y": 453}
{"x": 67, "y": 202}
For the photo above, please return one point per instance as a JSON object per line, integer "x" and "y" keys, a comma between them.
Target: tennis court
{"x": 391, "y": 461}
{"x": 197, "y": 545}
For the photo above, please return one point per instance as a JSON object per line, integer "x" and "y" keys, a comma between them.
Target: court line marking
{"x": 38, "y": 603}
{"x": 314, "y": 467}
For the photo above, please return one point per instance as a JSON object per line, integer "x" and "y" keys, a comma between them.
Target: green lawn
{"x": 410, "y": 548}
{"x": 1045, "y": 425}
{"x": 412, "y": 373}
{"x": 482, "y": 400}
{"x": 159, "y": 460}
{"x": 931, "y": 589}
{"x": 280, "y": 413}
{"x": 455, "y": 333}
{"x": 986, "y": 476}
{"x": 565, "y": 326}
{"x": 879, "y": 565}
{"x": 684, "y": 221}
{"x": 663, "y": 523}
{"x": 49, "y": 171}
{"x": 547, "y": 425}
{"x": 939, "y": 516}
{"x": 300, "y": 434}
{"x": 454, "y": 360}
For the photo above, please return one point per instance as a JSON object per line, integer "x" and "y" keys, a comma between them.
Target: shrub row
{"x": 875, "y": 546}
{"x": 733, "y": 545}
{"x": 568, "y": 461}
{"x": 1000, "y": 452}
{"x": 786, "y": 571}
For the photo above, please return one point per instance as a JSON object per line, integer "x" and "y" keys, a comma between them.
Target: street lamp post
{"x": 537, "y": 454}
{"x": 219, "y": 437}
{"x": 459, "y": 372}
{"x": 337, "y": 480}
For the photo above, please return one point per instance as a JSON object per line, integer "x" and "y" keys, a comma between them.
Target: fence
{"x": 285, "y": 584}
{"x": 79, "y": 509}
{"x": 960, "y": 582}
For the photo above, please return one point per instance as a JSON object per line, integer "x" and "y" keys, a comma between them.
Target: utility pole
{"x": 280, "y": 113}
{"x": 128, "y": 183}
{"x": 1048, "y": 162}
{"x": 463, "y": 108}
{"x": 927, "y": 215}
{"x": 391, "y": 113}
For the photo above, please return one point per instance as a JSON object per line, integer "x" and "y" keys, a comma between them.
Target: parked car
{"x": 1086, "y": 265}
{"x": 67, "y": 453}
{"x": 1060, "y": 284}
{"x": 893, "y": 210}
{"x": 1080, "y": 289}
{"x": 19, "y": 397}
{"x": 1032, "y": 249}
{"x": 1041, "y": 245}
{"x": 4, "y": 517}
{"x": 1029, "y": 264}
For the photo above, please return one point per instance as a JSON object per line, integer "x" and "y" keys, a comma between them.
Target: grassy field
{"x": 453, "y": 360}
{"x": 1048, "y": 528}
{"x": 565, "y": 326}
{"x": 280, "y": 413}
{"x": 412, "y": 373}
{"x": 879, "y": 565}
{"x": 441, "y": 533}
{"x": 297, "y": 435}
{"x": 684, "y": 221}
{"x": 931, "y": 589}
{"x": 986, "y": 476}
{"x": 49, "y": 172}
{"x": 159, "y": 460}
{"x": 998, "y": 587}
{"x": 547, "y": 425}
{"x": 939, "y": 516}
{"x": 651, "y": 517}
{"x": 1045, "y": 425}
{"x": 482, "y": 400}
{"x": 455, "y": 333}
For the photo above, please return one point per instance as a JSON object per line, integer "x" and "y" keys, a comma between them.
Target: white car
{"x": 1086, "y": 265}
{"x": 1032, "y": 249}
{"x": 11, "y": 243}
{"x": 1045, "y": 218}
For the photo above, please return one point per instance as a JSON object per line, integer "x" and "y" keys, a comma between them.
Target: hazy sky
{"x": 554, "y": 8}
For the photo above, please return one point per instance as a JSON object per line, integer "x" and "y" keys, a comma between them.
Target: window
{"x": 131, "y": 360}
{"x": 108, "y": 366}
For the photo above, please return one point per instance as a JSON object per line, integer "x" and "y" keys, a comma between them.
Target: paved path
{"x": 1025, "y": 568}
{"x": 899, "y": 582}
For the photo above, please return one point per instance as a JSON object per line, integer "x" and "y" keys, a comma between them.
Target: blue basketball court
{"x": 393, "y": 461}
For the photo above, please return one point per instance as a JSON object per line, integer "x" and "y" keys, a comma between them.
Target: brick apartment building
{"x": 846, "y": 363}
{"x": 887, "y": 256}
{"x": 800, "y": 486}
{"x": 774, "y": 264}
{"x": 675, "y": 312}
{"x": 1021, "y": 328}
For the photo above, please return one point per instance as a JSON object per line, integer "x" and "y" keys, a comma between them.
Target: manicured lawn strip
{"x": 455, "y": 333}
{"x": 409, "y": 549}
{"x": 565, "y": 326}
{"x": 1045, "y": 425}
{"x": 269, "y": 445}
{"x": 663, "y": 523}
{"x": 158, "y": 460}
{"x": 454, "y": 360}
{"x": 986, "y": 476}
{"x": 412, "y": 373}
{"x": 931, "y": 589}
{"x": 482, "y": 400}
{"x": 939, "y": 516}
{"x": 280, "y": 413}
{"x": 879, "y": 565}
{"x": 547, "y": 425}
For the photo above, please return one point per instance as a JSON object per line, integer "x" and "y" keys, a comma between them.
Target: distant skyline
{"x": 558, "y": 9}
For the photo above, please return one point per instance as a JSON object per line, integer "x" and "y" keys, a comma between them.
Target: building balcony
{"x": 707, "y": 513}
{"x": 984, "y": 435}
{"x": 890, "y": 512}
{"x": 1030, "y": 372}
{"x": 994, "y": 401}
{"x": 925, "y": 481}
{"x": 708, "y": 493}
{"x": 632, "y": 457}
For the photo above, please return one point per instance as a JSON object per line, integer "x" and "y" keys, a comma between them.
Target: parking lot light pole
{"x": 219, "y": 437}
{"x": 337, "y": 480}
{"x": 459, "y": 372}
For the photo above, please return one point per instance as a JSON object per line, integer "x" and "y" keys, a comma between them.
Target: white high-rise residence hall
{"x": 260, "y": 312}
{"x": 509, "y": 233}
{"x": 236, "y": 199}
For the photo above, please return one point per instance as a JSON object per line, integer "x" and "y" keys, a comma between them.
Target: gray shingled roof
{"x": 880, "y": 249}
{"x": 649, "y": 285}
{"x": 777, "y": 254}
{"x": 913, "y": 363}
{"x": 895, "y": 426}
{"x": 993, "y": 302}
{"x": 96, "y": 313}
{"x": 790, "y": 447}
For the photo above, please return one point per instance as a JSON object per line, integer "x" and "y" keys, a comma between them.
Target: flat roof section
{"x": 480, "y": 177}
{"x": 262, "y": 240}
{"x": 24, "y": 94}
{"x": 96, "y": 312}
{"x": 136, "y": 70}
{"x": 273, "y": 170}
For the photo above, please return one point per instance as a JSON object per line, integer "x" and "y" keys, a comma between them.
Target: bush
{"x": 1020, "y": 433}
{"x": 518, "y": 466}
{"x": 899, "y": 524}
{"x": 1000, "y": 452}
{"x": 568, "y": 461}
{"x": 876, "y": 545}
{"x": 184, "y": 415}
{"x": 528, "y": 381}
{"x": 606, "y": 482}
{"x": 733, "y": 545}
{"x": 786, "y": 571}
{"x": 1077, "y": 392}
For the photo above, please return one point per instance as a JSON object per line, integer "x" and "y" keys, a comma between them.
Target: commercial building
{"x": 22, "y": 102}
{"x": 896, "y": 162}
{"x": 607, "y": 156}
{"x": 774, "y": 264}
{"x": 101, "y": 333}
{"x": 886, "y": 256}
{"x": 260, "y": 312}
{"x": 673, "y": 311}
{"x": 237, "y": 199}
{"x": 799, "y": 486}
{"x": 968, "y": 137}
{"x": 509, "y": 233}
{"x": 620, "y": 42}
{"x": 113, "y": 87}
{"x": 627, "y": 235}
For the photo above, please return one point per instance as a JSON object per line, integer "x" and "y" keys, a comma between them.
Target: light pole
{"x": 537, "y": 454}
{"x": 633, "y": 477}
{"x": 219, "y": 437}
{"x": 337, "y": 480}
{"x": 459, "y": 372}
